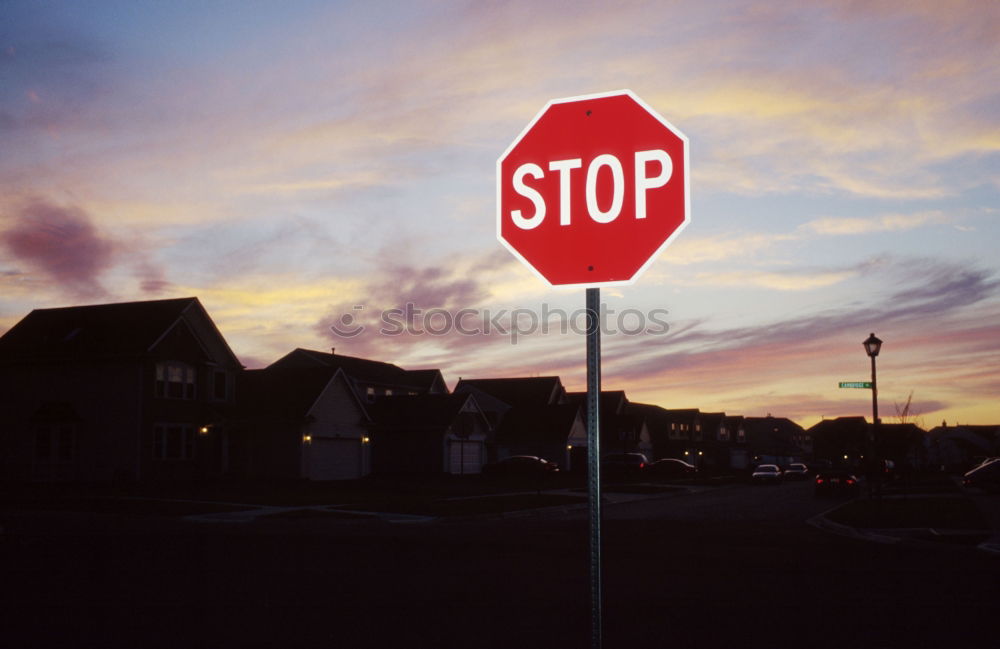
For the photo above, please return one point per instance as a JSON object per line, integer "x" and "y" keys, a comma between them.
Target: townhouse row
{"x": 151, "y": 391}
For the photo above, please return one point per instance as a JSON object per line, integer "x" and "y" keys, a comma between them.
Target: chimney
{"x": 333, "y": 350}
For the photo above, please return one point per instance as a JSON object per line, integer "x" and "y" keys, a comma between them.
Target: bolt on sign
{"x": 593, "y": 189}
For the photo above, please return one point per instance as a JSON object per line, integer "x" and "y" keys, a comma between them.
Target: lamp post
{"x": 872, "y": 347}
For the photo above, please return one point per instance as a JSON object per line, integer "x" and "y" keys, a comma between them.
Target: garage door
{"x": 334, "y": 459}
{"x": 466, "y": 457}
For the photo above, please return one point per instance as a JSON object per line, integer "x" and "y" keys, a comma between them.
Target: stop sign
{"x": 593, "y": 189}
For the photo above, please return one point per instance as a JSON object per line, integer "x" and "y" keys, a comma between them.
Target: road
{"x": 731, "y": 567}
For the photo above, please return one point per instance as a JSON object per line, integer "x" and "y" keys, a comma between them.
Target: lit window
{"x": 175, "y": 380}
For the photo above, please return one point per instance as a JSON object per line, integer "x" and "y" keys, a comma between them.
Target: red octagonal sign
{"x": 593, "y": 189}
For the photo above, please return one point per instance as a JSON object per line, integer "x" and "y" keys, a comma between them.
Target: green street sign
{"x": 856, "y": 384}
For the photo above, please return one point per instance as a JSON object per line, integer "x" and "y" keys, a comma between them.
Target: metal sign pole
{"x": 594, "y": 458}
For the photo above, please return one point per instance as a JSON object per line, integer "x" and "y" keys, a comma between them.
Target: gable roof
{"x": 538, "y": 423}
{"x": 839, "y": 425}
{"x": 419, "y": 411}
{"x": 521, "y": 391}
{"x": 611, "y": 401}
{"x": 655, "y": 416}
{"x": 712, "y": 420}
{"x": 362, "y": 369}
{"x": 285, "y": 392}
{"x": 733, "y": 422}
{"x": 100, "y": 331}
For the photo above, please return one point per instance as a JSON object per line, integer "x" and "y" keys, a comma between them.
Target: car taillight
{"x": 849, "y": 481}
{"x": 819, "y": 480}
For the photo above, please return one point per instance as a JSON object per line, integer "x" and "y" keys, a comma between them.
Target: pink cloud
{"x": 62, "y": 243}
{"x": 151, "y": 278}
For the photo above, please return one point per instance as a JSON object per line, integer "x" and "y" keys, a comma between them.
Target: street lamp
{"x": 872, "y": 347}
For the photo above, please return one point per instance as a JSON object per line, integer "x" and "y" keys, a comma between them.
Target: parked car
{"x": 766, "y": 474}
{"x": 836, "y": 483}
{"x": 796, "y": 471}
{"x": 617, "y": 466}
{"x": 985, "y": 476}
{"x": 669, "y": 467}
{"x": 521, "y": 465}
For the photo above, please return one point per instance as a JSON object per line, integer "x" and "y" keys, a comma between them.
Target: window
{"x": 388, "y": 392}
{"x": 370, "y": 394}
{"x": 173, "y": 442}
{"x": 741, "y": 435}
{"x": 175, "y": 380}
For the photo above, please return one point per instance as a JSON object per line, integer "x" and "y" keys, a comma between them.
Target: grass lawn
{"x": 946, "y": 512}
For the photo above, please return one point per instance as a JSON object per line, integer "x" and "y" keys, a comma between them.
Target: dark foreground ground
{"x": 730, "y": 566}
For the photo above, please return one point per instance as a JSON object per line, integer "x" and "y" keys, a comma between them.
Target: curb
{"x": 891, "y": 536}
{"x": 991, "y": 545}
{"x": 821, "y": 522}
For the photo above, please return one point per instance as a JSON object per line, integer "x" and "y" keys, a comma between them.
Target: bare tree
{"x": 903, "y": 414}
{"x": 906, "y": 414}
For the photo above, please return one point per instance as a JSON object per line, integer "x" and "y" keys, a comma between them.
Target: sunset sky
{"x": 286, "y": 162}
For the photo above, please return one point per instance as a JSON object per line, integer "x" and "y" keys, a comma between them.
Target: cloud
{"x": 62, "y": 243}
{"x": 697, "y": 250}
{"x": 939, "y": 288}
{"x": 883, "y": 223}
{"x": 152, "y": 279}
{"x": 399, "y": 297}
{"x": 925, "y": 291}
{"x": 787, "y": 281}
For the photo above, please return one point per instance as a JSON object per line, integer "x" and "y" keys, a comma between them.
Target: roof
{"x": 683, "y": 414}
{"x": 418, "y": 411}
{"x": 839, "y": 424}
{"x": 611, "y": 400}
{"x": 986, "y": 431}
{"x": 361, "y": 369}
{"x": 769, "y": 424}
{"x": 538, "y": 423}
{"x": 283, "y": 392}
{"x": 712, "y": 419}
{"x": 521, "y": 391}
{"x": 101, "y": 331}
